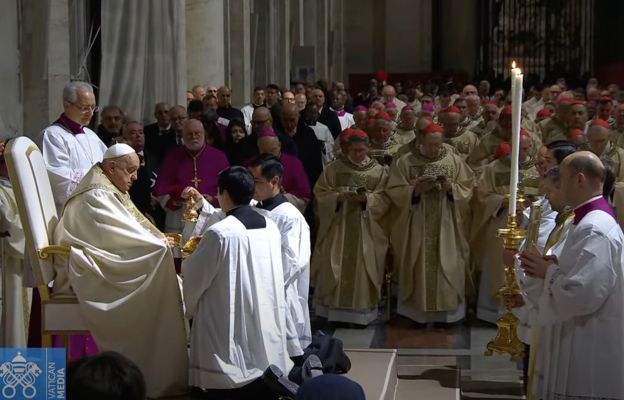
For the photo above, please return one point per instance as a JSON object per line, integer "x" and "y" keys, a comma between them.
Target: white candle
{"x": 516, "y": 109}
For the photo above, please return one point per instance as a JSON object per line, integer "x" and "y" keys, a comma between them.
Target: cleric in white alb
{"x": 68, "y": 147}
{"x": 581, "y": 304}
{"x": 234, "y": 291}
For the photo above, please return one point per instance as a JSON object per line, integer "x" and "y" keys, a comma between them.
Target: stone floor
{"x": 460, "y": 345}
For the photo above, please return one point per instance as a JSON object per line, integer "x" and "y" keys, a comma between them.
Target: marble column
{"x": 459, "y": 36}
{"x": 238, "y": 50}
{"x": 11, "y": 121}
{"x": 407, "y": 36}
{"x": 45, "y": 61}
{"x": 205, "y": 42}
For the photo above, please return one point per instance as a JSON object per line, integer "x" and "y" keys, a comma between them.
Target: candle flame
{"x": 513, "y": 64}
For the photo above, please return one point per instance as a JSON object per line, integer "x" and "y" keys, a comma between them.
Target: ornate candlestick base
{"x": 506, "y": 340}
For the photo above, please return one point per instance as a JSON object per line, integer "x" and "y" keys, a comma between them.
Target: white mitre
{"x": 118, "y": 150}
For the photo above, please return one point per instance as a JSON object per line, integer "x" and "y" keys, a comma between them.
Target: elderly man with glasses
{"x": 69, "y": 148}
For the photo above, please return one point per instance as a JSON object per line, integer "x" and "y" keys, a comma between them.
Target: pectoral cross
{"x": 195, "y": 179}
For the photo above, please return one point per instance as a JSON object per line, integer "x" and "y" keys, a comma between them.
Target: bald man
{"x": 309, "y": 146}
{"x": 389, "y": 96}
{"x": 294, "y": 181}
{"x": 580, "y": 305}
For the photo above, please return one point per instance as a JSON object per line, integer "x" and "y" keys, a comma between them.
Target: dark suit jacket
{"x": 308, "y": 149}
{"x": 159, "y": 143}
{"x": 141, "y": 189}
{"x": 329, "y": 118}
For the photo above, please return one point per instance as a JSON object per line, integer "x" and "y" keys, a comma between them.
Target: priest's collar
{"x": 596, "y": 203}
{"x": 270, "y": 204}
{"x": 248, "y": 217}
{"x": 72, "y": 126}
{"x": 367, "y": 164}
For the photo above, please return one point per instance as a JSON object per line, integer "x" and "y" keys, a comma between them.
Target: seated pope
{"x": 121, "y": 270}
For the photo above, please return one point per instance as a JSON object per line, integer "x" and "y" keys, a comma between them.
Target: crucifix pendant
{"x": 196, "y": 181}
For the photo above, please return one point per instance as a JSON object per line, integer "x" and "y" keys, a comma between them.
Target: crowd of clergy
{"x": 355, "y": 200}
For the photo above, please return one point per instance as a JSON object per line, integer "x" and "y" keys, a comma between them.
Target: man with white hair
{"x": 194, "y": 164}
{"x": 119, "y": 266}
{"x": 68, "y": 147}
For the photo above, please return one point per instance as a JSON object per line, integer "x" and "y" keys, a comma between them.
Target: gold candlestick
{"x": 506, "y": 340}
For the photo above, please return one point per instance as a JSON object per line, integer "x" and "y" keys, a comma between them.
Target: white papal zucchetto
{"x": 118, "y": 150}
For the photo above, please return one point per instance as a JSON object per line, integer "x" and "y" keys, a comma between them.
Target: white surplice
{"x": 121, "y": 270}
{"x": 323, "y": 134}
{"x": 68, "y": 158}
{"x": 234, "y": 291}
{"x": 295, "y": 234}
{"x": 581, "y": 311}
{"x": 546, "y": 225}
{"x": 16, "y": 299}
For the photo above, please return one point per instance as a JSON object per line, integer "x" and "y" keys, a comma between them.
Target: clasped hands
{"x": 426, "y": 183}
{"x": 359, "y": 196}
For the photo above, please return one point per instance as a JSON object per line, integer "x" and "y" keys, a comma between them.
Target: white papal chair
{"x": 59, "y": 315}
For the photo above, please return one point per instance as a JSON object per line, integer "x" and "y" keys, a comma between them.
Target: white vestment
{"x": 247, "y": 111}
{"x": 546, "y": 225}
{"x": 234, "y": 291}
{"x": 580, "y": 308}
{"x": 68, "y": 158}
{"x": 346, "y": 120}
{"x": 16, "y": 299}
{"x": 296, "y": 262}
{"x": 122, "y": 273}
{"x": 323, "y": 134}
{"x": 295, "y": 234}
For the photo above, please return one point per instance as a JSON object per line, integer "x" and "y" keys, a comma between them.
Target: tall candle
{"x": 516, "y": 109}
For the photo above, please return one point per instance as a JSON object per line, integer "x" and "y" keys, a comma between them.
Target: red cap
{"x": 575, "y": 132}
{"x": 383, "y": 115}
{"x": 502, "y": 150}
{"x": 506, "y": 110}
{"x": 600, "y": 122}
{"x": 354, "y": 135}
{"x": 451, "y": 109}
{"x": 432, "y": 128}
{"x": 381, "y": 75}
{"x": 564, "y": 100}
{"x": 524, "y": 133}
{"x": 577, "y": 103}
{"x": 544, "y": 113}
